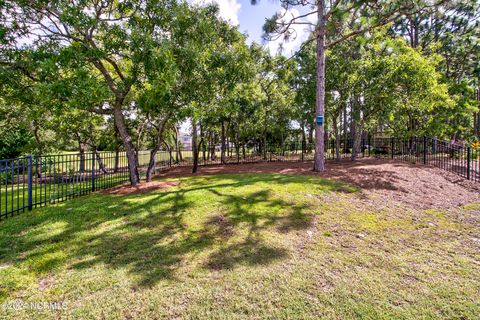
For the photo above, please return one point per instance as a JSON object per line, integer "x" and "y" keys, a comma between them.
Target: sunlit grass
{"x": 241, "y": 246}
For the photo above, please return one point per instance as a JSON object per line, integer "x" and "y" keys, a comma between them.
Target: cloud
{"x": 300, "y": 33}
{"x": 228, "y": 9}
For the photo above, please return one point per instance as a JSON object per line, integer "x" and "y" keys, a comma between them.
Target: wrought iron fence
{"x": 460, "y": 159}
{"x": 35, "y": 181}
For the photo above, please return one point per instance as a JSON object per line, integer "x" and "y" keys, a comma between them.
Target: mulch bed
{"x": 142, "y": 188}
{"x": 415, "y": 185}
{"x": 383, "y": 180}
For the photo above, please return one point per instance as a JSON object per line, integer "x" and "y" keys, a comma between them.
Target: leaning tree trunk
{"x": 153, "y": 153}
{"x": 319, "y": 164}
{"x": 152, "y": 163}
{"x": 127, "y": 143}
{"x": 101, "y": 165}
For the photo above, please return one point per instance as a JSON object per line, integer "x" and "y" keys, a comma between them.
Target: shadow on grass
{"x": 152, "y": 235}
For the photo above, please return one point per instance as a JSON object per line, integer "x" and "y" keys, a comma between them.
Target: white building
{"x": 185, "y": 140}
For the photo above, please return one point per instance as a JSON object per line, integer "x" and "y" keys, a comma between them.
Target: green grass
{"x": 241, "y": 246}
{"x": 13, "y": 197}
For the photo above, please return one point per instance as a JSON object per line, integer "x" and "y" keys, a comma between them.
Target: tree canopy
{"x": 109, "y": 75}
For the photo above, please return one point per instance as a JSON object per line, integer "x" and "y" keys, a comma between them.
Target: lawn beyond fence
{"x": 35, "y": 181}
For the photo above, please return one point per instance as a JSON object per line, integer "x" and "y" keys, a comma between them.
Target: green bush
{"x": 6, "y": 177}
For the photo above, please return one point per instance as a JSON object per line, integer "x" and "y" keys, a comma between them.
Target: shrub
{"x": 6, "y": 177}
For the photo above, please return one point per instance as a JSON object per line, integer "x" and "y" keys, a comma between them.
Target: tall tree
{"x": 337, "y": 21}
{"x": 113, "y": 37}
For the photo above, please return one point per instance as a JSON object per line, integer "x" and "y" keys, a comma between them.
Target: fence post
{"x": 469, "y": 157}
{"x": 424, "y": 150}
{"x": 30, "y": 182}
{"x": 392, "y": 142}
{"x": 93, "y": 172}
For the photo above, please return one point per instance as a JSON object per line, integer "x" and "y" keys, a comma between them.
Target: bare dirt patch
{"x": 142, "y": 188}
{"x": 417, "y": 186}
{"x": 46, "y": 282}
{"x": 225, "y": 228}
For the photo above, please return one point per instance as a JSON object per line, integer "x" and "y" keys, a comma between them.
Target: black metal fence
{"x": 35, "y": 181}
{"x": 460, "y": 159}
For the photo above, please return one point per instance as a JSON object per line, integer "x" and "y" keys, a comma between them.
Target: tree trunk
{"x": 337, "y": 138}
{"x": 319, "y": 165}
{"x": 81, "y": 151}
{"x": 170, "y": 152}
{"x": 177, "y": 149}
{"x": 222, "y": 153}
{"x": 213, "y": 155}
{"x": 357, "y": 127}
{"x": 159, "y": 139}
{"x": 475, "y": 125}
{"x": 152, "y": 163}
{"x": 127, "y": 142}
{"x": 237, "y": 145}
{"x": 357, "y": 139}
{"x": 304, "y": 136}
{"x": 345, "y": 129}
{"x": 38, "y": 158}
{"x": 194, "y": 146}
{"x": 101, "y": 165}
{"x": 117, "y": 160}
{"x": 201, "y": 147}
{"x": 310, "y": 136}
{"x": 138, "y": 142}
{"x": 477, "y": 115}
{"x": 478, "y": 125}
{"x": 207, "y": 147}
{"x": 265, "y": 136}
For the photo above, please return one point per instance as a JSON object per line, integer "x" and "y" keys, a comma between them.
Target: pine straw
{"x": 414, "y": 185}
{"x": 142, "y": 188}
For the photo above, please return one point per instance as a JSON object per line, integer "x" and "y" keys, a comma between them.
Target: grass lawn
{"x": 236, "y": 246}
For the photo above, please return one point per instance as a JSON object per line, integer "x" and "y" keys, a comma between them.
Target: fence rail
{"x": 35, "y": 181}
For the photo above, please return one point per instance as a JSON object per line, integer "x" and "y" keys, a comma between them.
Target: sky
{"x": 250, "y": 19}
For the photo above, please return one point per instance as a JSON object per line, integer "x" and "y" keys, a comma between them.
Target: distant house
{"x": 185, "y": 140}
